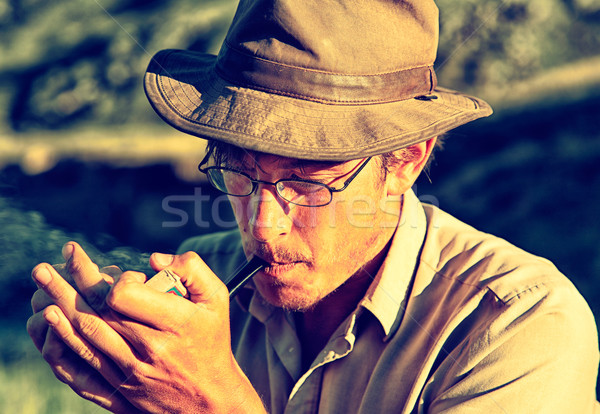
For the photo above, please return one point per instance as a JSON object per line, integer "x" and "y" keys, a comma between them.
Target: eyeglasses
{"x": 306, "y": 193}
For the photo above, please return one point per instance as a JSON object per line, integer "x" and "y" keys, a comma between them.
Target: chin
{"x": 288, "y": 298}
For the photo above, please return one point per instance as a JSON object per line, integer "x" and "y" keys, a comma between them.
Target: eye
{"x": 310, "y": 179}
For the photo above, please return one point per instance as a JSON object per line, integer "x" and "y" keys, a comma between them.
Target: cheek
{"x": 329, "y": 233}
{"x": 239, "y": 205}
{"x": 350, "y": 215}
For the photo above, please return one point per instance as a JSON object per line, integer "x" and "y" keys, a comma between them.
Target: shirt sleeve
{"x": 539, "y": 354}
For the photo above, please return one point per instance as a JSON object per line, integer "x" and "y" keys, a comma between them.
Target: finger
{"x": 37, "y": 328}
{"x": 159, "y": 261}
{"x": 168, "y": 312}
{"x": 82, "y": 316}
{"x": 82, "y": 378}
{"x": 108, "y": 273}
{"x": 102, "y": 394}
{"x": 202, "y": 284}
{"x": 87, "y": 276}
{"x": 64, "y": 330}
{"x": 132, "y": 298}
{"x": 40, "y": 300}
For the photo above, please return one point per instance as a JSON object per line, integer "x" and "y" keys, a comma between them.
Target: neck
{"x": 316, "y": 325}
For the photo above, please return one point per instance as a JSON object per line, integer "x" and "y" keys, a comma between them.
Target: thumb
{"x": 159, "y": 261}
{"x": 199, "y": 280}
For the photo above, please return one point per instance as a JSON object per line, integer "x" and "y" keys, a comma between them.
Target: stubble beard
{"x": 359, "y": 258}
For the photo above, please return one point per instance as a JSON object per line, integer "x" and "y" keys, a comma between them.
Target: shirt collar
{"x": 385, "y": 298}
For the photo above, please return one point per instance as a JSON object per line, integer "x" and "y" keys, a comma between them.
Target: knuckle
{"x": 87, "y": 355}
{"x": 55, "y": 350}
{"x": 74, "y": 266}
{"x": 88, "y": 326}
{"x": 134, "y": 370}
{"x": 190, "y": 262}
{"x": 189, "y": 255}
{"x": 119, "y": 292}
{"x": 112, "y": 299}
{"x": 61, "y": 295}
{"x": 77, "y": 267}
{"x": 189, "y": 259}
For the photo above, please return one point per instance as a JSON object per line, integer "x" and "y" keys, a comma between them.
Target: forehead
{"x": 269, "y": 162}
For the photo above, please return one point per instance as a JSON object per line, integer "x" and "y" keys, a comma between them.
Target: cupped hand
{"x": 143, "y": 348}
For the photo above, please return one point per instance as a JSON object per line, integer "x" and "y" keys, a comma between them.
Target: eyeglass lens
{"x": 297, "y": 192}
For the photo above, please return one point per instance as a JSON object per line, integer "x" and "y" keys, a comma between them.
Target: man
{"x": 320, "y": 117}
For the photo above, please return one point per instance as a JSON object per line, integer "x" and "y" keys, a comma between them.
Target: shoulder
{"x": 456, "y": 251}
{"x": 510, "y": 316}
{"x": 504, "y": 286}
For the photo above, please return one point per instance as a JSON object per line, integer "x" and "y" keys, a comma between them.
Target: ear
{"x": 404, "y": 174}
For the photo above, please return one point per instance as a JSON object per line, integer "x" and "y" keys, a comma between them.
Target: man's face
{"x": 313, "y": 250}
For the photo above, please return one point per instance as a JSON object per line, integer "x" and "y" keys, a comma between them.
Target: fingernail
{"x": 163, "y": 259}
{"x": 67, "y": 251}
{"x": 42, "y": 276}
{"x": 51, "y": 317}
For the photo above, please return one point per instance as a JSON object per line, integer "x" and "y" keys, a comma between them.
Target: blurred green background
{"x": 84, "y": 157}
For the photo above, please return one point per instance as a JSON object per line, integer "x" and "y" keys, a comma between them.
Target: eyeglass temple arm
{"x": 204, "y": 160}
{"x": 352, "y": 177}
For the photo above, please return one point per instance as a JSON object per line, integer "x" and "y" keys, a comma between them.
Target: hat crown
{"x": 314, "y": 79}
{"x": 328, "y": 50}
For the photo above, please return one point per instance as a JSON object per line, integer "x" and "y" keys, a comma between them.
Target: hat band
{"x": 324, "y": 87}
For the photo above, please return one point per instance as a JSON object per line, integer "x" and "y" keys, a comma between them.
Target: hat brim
{"x": 185, "y": 90}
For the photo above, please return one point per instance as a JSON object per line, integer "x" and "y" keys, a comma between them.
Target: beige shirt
{"x": 455, "y": 321}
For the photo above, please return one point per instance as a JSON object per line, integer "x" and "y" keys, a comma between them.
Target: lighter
{"x": 167, "y": 281}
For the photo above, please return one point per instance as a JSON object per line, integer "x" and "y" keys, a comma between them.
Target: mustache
{"x": 278, "y": 254}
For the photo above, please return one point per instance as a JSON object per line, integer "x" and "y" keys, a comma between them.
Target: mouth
{"x": 278, "y": 269}
{"x": 279, "y": 262}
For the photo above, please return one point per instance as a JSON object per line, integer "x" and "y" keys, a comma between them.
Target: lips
{"x": 280, "y": 261}
{"x": 277, "y": 269}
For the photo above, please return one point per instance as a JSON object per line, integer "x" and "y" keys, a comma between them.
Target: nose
{"x": 268, "y": 214}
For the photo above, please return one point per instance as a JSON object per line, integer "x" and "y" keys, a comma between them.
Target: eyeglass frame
{"x": 255, "y": 182}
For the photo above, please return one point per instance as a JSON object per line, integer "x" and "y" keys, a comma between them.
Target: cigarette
{"x": 243, "y": 275}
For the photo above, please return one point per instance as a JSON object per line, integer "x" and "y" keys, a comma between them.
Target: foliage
{"x": 73, "y": 62}
{"x": 28, "y": 385}
{"x": 486, "y": 44}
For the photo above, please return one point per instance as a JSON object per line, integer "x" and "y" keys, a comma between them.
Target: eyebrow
{"x": 303, "y": 164}
{"x": 291, "y": 164}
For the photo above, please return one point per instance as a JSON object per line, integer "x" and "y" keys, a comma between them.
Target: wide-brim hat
{"x": 314, "y": 79}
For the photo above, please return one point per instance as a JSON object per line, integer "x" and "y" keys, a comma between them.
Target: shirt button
{"x": 341, "y": 346}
